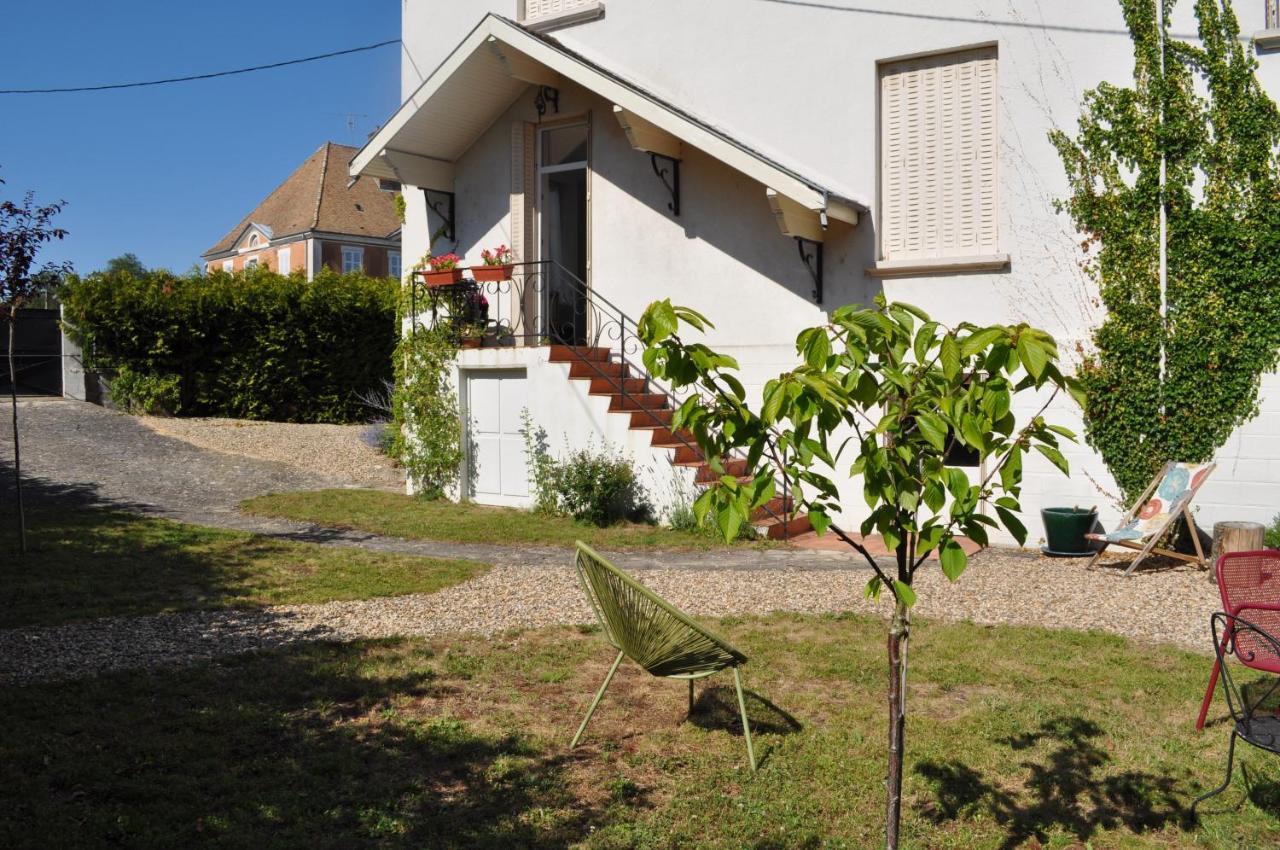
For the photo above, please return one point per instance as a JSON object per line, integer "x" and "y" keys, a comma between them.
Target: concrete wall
{"x": 798, "y": 82}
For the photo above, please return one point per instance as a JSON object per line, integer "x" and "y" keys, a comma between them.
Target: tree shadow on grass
{"x": 1067, "y": 789}
{"x": 320, "y": 747}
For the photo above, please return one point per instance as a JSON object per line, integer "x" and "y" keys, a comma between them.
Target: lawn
{"x": 397, "y": 515}
{"x": 88, "y": 562}
{"x": 1018, "y": 737}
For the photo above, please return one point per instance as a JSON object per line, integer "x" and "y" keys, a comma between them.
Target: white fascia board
{"x": 437, "y": 78}
{"x": 657, "y": 114}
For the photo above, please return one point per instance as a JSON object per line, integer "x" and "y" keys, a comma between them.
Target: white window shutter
{"x": 524, "y": 187}
{"x": 535, "y": 9}
{"x": 939, "y": 157}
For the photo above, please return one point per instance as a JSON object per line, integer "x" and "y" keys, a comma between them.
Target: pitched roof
{"x": 316, "y": 197}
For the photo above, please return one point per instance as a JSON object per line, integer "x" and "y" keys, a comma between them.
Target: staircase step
{"x": 571, "y": 353}
{"x": 686, "y": 454}
{"x": 639, "y": 401}
{"x": 663, "y": 438}
{"x": 773, "y": 508}
{"x": 776, "y": 530}
{"x": 596, "y": 369}
{"x": 612, "y": 386}
{"x": 655, "y": 419}
{"x": 733, "y": 466}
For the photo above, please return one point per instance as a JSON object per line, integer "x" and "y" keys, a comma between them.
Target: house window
{"x": 1273, "y": 14}
{"x": 544, "y": 14}
{"x": 251, "y": 263}
{"x": 393, "y": 264}
{"x": 938, "y": 157}
{"x": 352, "y": 259}
{"x": 254, "y": 240}
{"x": 228, "y": 265}
{"x": 284, "y": 260}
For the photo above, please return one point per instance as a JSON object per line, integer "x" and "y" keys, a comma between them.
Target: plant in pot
{"x": 497, "y": 264}
{"x": 471, "y": 334}
{"x": 1065, "y": 530}
{"x": 500, "y": 335}
{"x": 443, "y": 270}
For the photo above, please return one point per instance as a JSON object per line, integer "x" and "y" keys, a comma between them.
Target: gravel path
{"x": 324, "y": 450}
{"x": 1001, "y": 586}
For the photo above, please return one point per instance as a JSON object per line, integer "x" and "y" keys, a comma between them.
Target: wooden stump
{"x": 1233, "y": 537}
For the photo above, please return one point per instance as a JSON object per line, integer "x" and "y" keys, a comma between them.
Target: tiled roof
{"x": 316, "y": 197}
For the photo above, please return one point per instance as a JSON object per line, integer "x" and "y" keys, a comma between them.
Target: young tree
{"x": 24, "y": 228}
{"x": 128, "y": 264}
{"x": 1200, "y": 108}
{"x": 899, "y": 391}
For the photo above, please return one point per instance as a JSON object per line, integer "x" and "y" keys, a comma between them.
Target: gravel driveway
{"x": 78, "y": 448}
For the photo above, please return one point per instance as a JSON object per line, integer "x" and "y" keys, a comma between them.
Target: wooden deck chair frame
{"x": 663, "y": 652}
{"x": 1149, "y": 547}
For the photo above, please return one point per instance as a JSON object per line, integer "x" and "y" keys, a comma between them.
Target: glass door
{"x": 562, "y": 227}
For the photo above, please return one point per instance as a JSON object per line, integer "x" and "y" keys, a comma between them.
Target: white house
{"x": 746, "y": 158}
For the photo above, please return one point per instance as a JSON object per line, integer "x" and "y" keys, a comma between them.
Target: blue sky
{"x": 165, "y": 171}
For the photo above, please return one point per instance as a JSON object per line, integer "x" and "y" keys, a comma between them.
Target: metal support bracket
{"x": 443, "y": 204}
{"x": 812, "y": 260}
{"x": 547, "y": 96}
{"x": 671, "y": 166}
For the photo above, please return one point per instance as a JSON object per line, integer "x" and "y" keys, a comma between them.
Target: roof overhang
{"x": 496, "y": 63}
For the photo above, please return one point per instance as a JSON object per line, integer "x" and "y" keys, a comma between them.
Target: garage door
{"x": 496, "y": 400}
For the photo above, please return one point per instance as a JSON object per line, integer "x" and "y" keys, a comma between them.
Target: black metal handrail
{"x": 555, "y": 306}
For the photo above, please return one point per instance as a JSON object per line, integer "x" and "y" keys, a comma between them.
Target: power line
{"x": 203, "y": 76}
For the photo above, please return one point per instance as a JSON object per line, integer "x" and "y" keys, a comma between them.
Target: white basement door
{"x": 498, "y": 473}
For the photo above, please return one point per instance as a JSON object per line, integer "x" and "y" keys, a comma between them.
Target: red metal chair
{"x": 1249, "y": 583}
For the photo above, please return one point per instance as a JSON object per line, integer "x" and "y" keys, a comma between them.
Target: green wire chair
{"x": 653, "y": 633}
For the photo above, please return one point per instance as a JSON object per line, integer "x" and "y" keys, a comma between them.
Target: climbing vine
{"x": 424, "y": 404}
{"x": 1219, "y": 134}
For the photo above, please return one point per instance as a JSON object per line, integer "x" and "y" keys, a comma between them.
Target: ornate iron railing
{"x": 543, "y": 303}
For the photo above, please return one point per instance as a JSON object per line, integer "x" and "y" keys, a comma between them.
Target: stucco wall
{"x": 798, "y": 81}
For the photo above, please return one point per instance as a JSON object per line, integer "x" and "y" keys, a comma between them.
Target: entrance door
{"x": 562, "y": 225}
{"x": 495, "y": 401}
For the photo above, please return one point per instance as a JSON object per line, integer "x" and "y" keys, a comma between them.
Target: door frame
{"x": 466, "y": 480}
{"x": 584, "y": 119}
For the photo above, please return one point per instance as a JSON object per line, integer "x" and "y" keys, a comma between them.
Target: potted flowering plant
{"x": 441, "y": 271}
{"x": 470, "y": 335}
{"x": 497, "y": 264}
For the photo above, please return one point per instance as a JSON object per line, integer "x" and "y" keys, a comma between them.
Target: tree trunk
{"x": 17, "y": 454}
{"x": 1234, "y": 537}
{"x": 899, "y": 628}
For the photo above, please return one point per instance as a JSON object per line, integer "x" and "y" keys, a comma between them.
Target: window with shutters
{"x": 939, "y": 158}
{"x": 545, "y": 14}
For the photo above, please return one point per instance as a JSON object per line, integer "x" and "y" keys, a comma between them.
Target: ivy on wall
{"x": 424, "y": 405}
{"x": 1219, "y": 134}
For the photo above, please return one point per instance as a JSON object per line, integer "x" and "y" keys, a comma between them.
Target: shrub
{"x": 1272, "y": 538}
{"x": 427, "y": 440}
{"x": 592, "y": 485}
{"x": 254, "y": 345}
{"x": 135, "y": 392}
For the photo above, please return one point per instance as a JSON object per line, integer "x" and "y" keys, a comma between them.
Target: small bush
{"x": 599, "y": 487}
{"x": 137, "y": 392}
{"x": 1272, "y": 537}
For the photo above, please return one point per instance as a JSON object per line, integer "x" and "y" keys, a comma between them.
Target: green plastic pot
{"x": 1064, "y": 531}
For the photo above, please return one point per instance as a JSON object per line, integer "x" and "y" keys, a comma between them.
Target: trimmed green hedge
{"x": 254, "y": 345}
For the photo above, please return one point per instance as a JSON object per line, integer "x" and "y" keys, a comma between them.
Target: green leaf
{"x": 980, "y": 340}
{"x": 953, "y": 559}
{"x": 905, "y": 594}
{"x": 873, "y": 588}
{"x": 1033, "y": 355}
{"x": 658, "y": 322}
{"x": 1011, "y": 522}
{"x": 819, "y": 519}
{"x": 933, "y": 429}
{"x": 949, "y": 357}
{"x": 1055, "y": 457}
{"x": 729, "y": 521}
{"x": 924, "y": 340}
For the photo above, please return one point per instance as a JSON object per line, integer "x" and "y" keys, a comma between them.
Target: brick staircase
{"x": 652, "y": 412}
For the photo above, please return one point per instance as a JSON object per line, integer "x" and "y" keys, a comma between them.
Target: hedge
{"x": 255, "y": 345}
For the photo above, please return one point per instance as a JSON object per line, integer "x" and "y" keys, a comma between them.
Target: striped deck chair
{"x": 653, "y": 633}
{"x": 1169, "y": 495}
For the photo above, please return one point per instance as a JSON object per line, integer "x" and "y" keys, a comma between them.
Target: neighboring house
{"x": 317, "y": 217}
{"x": 762, "y": 161}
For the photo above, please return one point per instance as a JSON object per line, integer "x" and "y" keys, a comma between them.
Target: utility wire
{"x": 203, "y": 76}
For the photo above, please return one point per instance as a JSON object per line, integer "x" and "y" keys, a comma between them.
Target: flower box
{"x": 490, "y": 274}
{"x": 448, "y": 277}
